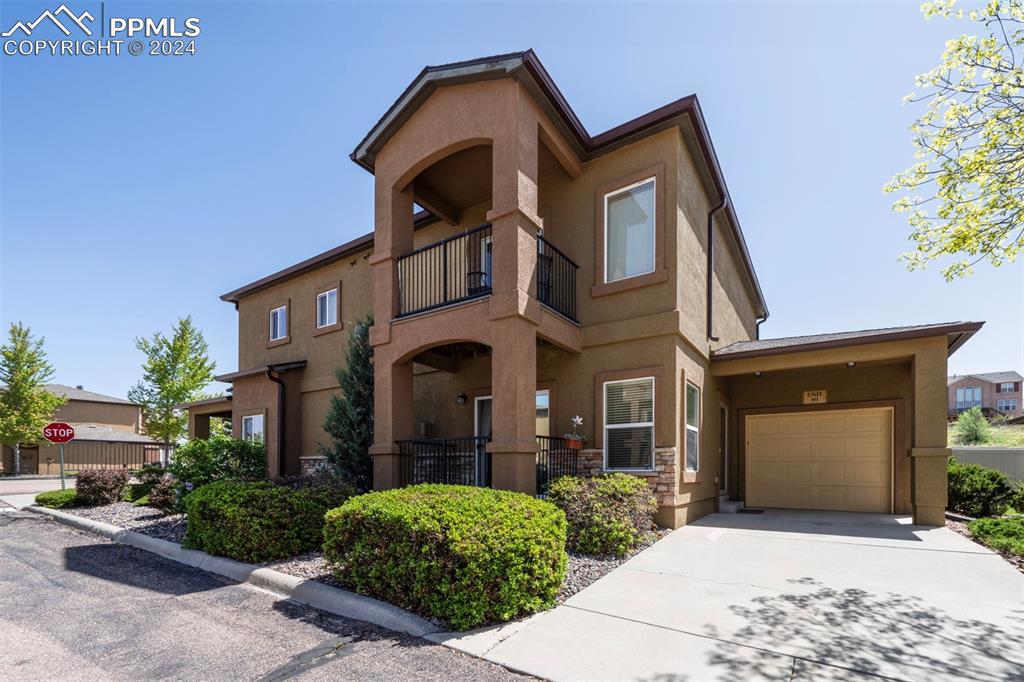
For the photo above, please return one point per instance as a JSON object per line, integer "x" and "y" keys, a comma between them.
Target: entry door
{"x": 723, "y": 448}
{"x": 838, "y": 460}
{"x": 482, "y": 429}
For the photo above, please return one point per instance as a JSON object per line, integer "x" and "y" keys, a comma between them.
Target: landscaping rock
{"x": 584, "y": 570}
{"x": 144, "y": 520}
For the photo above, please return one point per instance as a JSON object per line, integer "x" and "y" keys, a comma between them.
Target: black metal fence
{"x": 454, "y": 269}
{"x": 556, "y": 279}
{"x": 457, "y": 461}
{"x": 84, "y": 455}
{"x": 554, "y": 458}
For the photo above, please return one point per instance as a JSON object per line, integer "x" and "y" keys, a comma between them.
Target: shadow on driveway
{"x": 137, "y": 568}
{"x": 853, "y": 631}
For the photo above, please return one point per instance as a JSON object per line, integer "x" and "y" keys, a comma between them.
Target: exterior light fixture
{"x": 757, "y": 374}
{"x": 851, "y": 364}
{"x": 461, "y": 398}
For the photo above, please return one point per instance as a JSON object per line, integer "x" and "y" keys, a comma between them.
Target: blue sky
{"x": 138, "y": 189}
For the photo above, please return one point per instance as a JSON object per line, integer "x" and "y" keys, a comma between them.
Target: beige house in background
{"x": 523, "y": 271}
{"x": 106, "y": 428}
{"x": 993, "y": 392}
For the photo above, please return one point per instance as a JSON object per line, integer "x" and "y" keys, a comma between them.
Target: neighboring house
{"x": 554, "y": 273}
{"x": 108, "y": 431}
{"x": 993, "y": 392}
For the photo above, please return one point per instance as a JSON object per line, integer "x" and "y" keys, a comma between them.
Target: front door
{"x": 482, "y": 431}
{"x": 723, "y": 448}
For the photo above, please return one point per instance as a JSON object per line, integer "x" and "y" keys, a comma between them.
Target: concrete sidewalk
{"x": 20, "y": 492}
{"x": 783, "y": 595}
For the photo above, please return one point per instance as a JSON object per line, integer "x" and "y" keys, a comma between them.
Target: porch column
{"x": 930, "y": 452}
{"x": 513, "y": 420}
{"x": 392, "y": 419}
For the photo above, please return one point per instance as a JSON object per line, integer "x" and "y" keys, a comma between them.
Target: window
{"x": 543, "y": 412}
{"x": 252, "y": 428}
{"x": 279, "y": 323}
{"x": 629, "y": 424}
{"x": 326, "y": 308}
{"x": 629, "y": 231}
{"x": 1008, "y": 387}
{"x": 1006, "y": 405}
{"x": 692, "y": 427}
{"x": 968, "y": 397}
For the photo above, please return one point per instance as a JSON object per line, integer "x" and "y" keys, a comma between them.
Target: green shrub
{"x": 151, "y": 473}
{"x": 134, "y": 491}
{"x": 257, "y": 520}
{"x": 971, "y": 428}
{"x": 975, "y": 490}
{"x": 465, "y": 555}
{"x": 101, "y": 486}
{"x": 217, "y": 458}
{"x": 1001, "y": 534}
{"x": 142, "y": 501}
{"x": 1015, "y": 503}
{"x": 57, "y": 499}
{"x": 607, "y": 514}
{"x": 165, "y": 496}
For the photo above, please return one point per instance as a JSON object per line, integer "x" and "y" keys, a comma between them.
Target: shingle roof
{"x": 990, "y": 377}
{"x": 73, "y": 393}
{"x": 789, "y": 344}
{"x": 90, "y": 431}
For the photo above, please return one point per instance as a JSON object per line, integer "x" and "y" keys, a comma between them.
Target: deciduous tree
{"x": 965, "y": 191}
{"x": 25, "y": 406}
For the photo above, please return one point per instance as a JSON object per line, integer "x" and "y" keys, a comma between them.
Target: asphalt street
{"x": 76, "y": 607}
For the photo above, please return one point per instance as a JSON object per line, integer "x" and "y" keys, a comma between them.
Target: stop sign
{"x": 58, "y": 432}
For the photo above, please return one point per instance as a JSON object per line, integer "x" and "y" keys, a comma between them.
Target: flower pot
{"x": 574, "y": 444}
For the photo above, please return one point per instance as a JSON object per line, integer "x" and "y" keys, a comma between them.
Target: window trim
{"x": 263, "y": 425}
{"x": 280, "y": 341}
{"x": 662, "y": 218}
{"x": 326, "y": 288}
{"x": 1010, "y": 403}
{"x": 686, "y": 423}
{"x": 1012, "y": 387}
{"x": 605, "y": 426}
{"x": 653, "y": 180}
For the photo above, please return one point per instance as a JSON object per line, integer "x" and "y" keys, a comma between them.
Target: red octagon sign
{"x": 58, "y": 432}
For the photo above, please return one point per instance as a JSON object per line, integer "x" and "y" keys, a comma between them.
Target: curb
{"x": 308, "y": 592}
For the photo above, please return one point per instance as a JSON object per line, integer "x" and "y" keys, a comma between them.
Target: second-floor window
{"x": 279, "y": 323}
{"x": 1008, "y": 387}
{"x": 629, "y": 231}
{"x": 1006, "y": 405}
{"x": 326, "y": 308}
{"x": 629, "y": 424}
{"x": 968, "y": 397}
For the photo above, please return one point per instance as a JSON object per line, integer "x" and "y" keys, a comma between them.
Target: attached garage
{"x": 838, "y": 460}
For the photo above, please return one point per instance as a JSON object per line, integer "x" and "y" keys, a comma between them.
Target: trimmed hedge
{"x": 257, "y": 520}
{"x": 58, "y": 499}
{"x": 462, "y": 554}
{"x": 101, "y": 486}
{"x": 607, "y": 514}
{"x": 975, "y": 490}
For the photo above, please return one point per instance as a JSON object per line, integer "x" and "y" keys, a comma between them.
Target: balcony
{"x": 460, "y": 268}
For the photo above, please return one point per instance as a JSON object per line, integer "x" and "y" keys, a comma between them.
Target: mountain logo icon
{"x": 77, "y": 20}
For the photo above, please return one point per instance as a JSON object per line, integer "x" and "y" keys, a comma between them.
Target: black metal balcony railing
{"x": 556, "y": 279}
{"x": 456, "y": 461}
{"x": 455, "y": 269}
{"x": 554, "y": 458}
{"x": 465, "y": 461}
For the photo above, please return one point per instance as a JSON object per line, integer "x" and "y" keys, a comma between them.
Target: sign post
{"x": 59, "y": 433}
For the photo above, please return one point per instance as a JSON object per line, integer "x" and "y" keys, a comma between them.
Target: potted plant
{"x": 574, "y": 440}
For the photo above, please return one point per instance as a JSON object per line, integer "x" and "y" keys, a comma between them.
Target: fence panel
{"x": 1008, "y": 460}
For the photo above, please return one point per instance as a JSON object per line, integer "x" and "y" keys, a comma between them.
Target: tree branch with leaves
{"x": 25, "y": 405}
{"x": 965, "y": 191}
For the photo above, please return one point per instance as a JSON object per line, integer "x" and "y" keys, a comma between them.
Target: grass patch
{"x": 57, "y": 499}
{"x": 1004, "y": 534}
{"x": 998, "y": 436}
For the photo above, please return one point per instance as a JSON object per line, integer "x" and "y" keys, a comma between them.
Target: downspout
{"x": 757, "y": 329}
{"x": 711, "y": 264}
{"x": 280, "y": 418}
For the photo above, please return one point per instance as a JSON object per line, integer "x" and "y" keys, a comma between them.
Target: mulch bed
{"x": 961, "y": 528}
{"x": 146, "y": 520}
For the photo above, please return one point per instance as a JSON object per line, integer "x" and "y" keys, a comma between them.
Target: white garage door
{"x": 833, "y": 459}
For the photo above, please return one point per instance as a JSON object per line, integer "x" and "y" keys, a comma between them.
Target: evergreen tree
{"x": 25, "y": 406}
{"x": 349, "y": 420}
{"x": 176, "y": 371}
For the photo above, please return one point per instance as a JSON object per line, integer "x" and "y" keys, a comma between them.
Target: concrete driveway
{"x": 783, "y": 595}
{"x": 21, "y": 491}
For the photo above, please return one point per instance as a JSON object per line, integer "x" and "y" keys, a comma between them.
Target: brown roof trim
{"x": 958, "y": 333}
{"x": 262, "y": 369}
{"x": 203, "y": 403}
{"x": 587, "y": 146}
{"x": 421, "y": 219}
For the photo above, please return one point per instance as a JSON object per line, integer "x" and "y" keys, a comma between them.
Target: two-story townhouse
{"x": 557, "y": 274}
{"x": 993, "y": 392}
